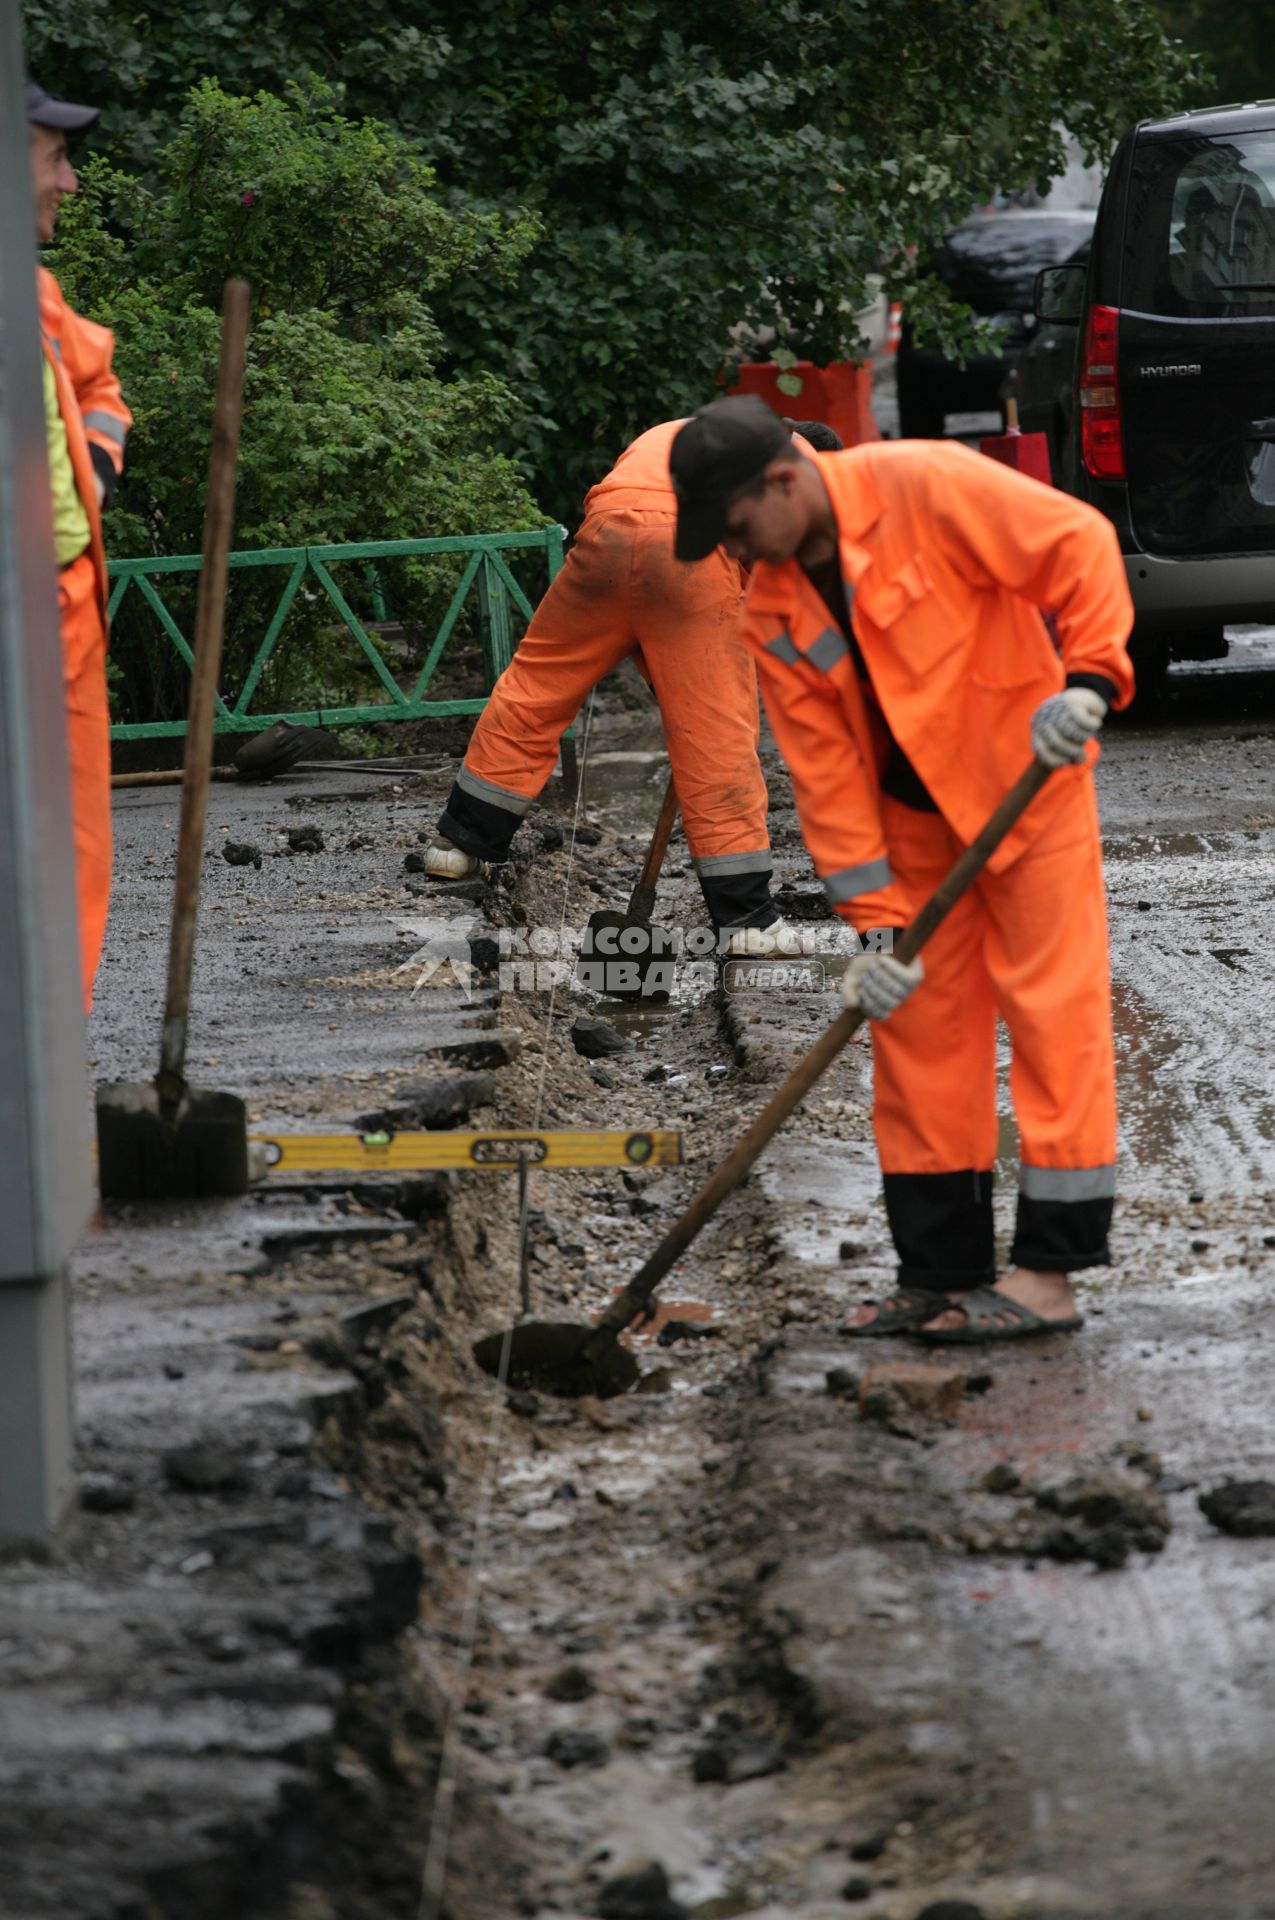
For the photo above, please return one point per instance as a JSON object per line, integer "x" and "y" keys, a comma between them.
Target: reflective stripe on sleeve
{"x": 850, "y": 882}
{"x": 830, "y": 647}
{"x": 783, "y": 649}
{"x": 107, "y": 425}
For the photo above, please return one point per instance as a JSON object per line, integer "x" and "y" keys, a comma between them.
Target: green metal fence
{"x": 486, "y": 572}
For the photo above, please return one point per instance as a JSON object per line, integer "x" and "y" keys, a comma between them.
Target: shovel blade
{"x": 201, "y": 1153}
{"x": 549, "y": 1356}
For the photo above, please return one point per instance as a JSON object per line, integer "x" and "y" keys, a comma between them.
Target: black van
{"x": 1165, "y": 419}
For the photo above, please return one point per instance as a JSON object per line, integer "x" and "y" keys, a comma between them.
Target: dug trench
{"x": 763, "y": 1637}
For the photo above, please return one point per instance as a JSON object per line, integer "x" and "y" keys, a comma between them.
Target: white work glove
{"x": 877, "y": 983}
{"x": 1064, "y": 724}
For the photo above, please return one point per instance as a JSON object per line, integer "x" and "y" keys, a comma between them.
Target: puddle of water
{"x": 1155, "y": 846}
{"x": 626, "y": 785}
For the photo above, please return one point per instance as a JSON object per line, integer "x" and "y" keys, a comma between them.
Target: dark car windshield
{"x": 1200, "y": 240}
{"x": 992, "y": 260}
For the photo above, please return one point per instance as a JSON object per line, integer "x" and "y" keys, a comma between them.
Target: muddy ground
{"x": 810, "y": 1662}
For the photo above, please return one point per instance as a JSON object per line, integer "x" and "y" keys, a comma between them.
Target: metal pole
{"x": 45, "y": 1165}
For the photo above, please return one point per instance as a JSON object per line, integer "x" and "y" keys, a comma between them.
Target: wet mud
{"x": 726, "y": 1643}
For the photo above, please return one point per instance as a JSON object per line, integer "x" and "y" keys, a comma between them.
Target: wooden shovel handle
{"x": 210, "y": 613}
{"x": 633, "y": 1300}
{"x": 642, "y": 902}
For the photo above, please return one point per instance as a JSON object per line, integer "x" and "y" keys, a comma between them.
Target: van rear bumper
{"x": 1174, "y": 596}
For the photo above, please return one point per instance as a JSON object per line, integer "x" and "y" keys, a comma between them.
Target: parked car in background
{"x": 990, "y": 262}
{"x": 1153, "y": 374}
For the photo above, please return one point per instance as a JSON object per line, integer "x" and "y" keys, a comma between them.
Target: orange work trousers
{"x": 1030, "y": 945}
{"x": 620, "y": 592}
{"x": 89, "y": 755}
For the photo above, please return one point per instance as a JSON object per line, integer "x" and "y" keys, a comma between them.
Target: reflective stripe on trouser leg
{"x": 1064, "y": 1217}
{"x": 736, "y": 888}
{"x": 582, "y": 628}
{"x": 1047, "y": 954}
{"x": 705, "y": 681}
{"x": 481, "y": 819}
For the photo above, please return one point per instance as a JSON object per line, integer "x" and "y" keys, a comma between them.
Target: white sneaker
{"x": 445, "y": 861}
{"x": 764, "y": 943}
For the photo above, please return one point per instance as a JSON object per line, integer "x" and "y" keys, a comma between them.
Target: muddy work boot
{"x": 780, "y": 938}
{"x": 445, "y": 861}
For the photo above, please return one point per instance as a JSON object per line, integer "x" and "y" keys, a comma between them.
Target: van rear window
{"x": 1200, "y": 240}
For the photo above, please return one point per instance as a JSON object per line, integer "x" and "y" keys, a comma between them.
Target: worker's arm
{"x": 998, "y": 527}
{"x": 836, "y": 794}
{"x": 87, "y": 352}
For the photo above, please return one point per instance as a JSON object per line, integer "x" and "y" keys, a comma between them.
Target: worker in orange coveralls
{"x": 621, "y": 592}
{"x": 87, "y": 423}
{"x": 895, "y": 611}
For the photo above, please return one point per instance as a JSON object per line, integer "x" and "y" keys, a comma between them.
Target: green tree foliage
{"x": 708, "y": 173}
{"x": 350, "y": 432}
{"x": 1237, "y": 41}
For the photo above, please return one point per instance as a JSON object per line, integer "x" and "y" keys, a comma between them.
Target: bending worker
{"x": 620, "y": 592}
{"x": 895, "y": 611}
{"x": 87, "y": 423}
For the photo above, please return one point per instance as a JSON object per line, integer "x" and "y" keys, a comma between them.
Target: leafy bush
{"x": 350, "y": 431}
{"x": 704, "y": 169}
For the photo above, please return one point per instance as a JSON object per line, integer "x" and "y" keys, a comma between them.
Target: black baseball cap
{"x": 717, "y": 453}
{"x": 60, "y": 114}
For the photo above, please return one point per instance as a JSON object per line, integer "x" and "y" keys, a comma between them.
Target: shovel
{"x": 162, "y": 1139}
{"x": 559, "y": 1356}
{"x": 622, "y": 954}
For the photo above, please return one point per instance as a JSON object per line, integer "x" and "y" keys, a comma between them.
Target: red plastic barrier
{"x": 1026, "y": 452}
{"x": 839, "y": 394}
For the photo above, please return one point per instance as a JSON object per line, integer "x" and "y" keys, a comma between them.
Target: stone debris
{"x": 205, "y": 1467}
{"x": 444, "y": 1100}
{"x": 104, "y": 1493}
{"x": 674, "y": 1330}
{"x": 904, "y": 1394}
{"x": 1101, "y": 1516}
{"x": 1110, "y": 1496}
{"x": 570, "y": 1684}
{"x": 570, "y": 1747}
{"x": 597, "y": 1039}
{"x": 1243, "y": 1507}
{"x": 1002, "y": 1478}
{"x": 304, "y": 839}
{"x": 639, "y": 1891}
{"x": 857, "y": 1887}
{"x": 241, "y": 853}
{"x": 870, "y": 1847}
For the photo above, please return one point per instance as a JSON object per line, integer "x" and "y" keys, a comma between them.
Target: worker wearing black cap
{"x": 87, "y": 423}
{"x": 894, "y": 609}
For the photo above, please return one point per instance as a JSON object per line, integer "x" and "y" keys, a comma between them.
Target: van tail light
{"x": 1101, "y": 429}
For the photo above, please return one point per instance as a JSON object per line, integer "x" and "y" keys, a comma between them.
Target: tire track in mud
{"x": 1194, "y": 973}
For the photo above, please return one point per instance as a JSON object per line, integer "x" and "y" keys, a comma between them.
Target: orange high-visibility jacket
{"x": 949, "y": 561}
{"x": 640, "y": 477}
{"x": 89, "y": 399}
